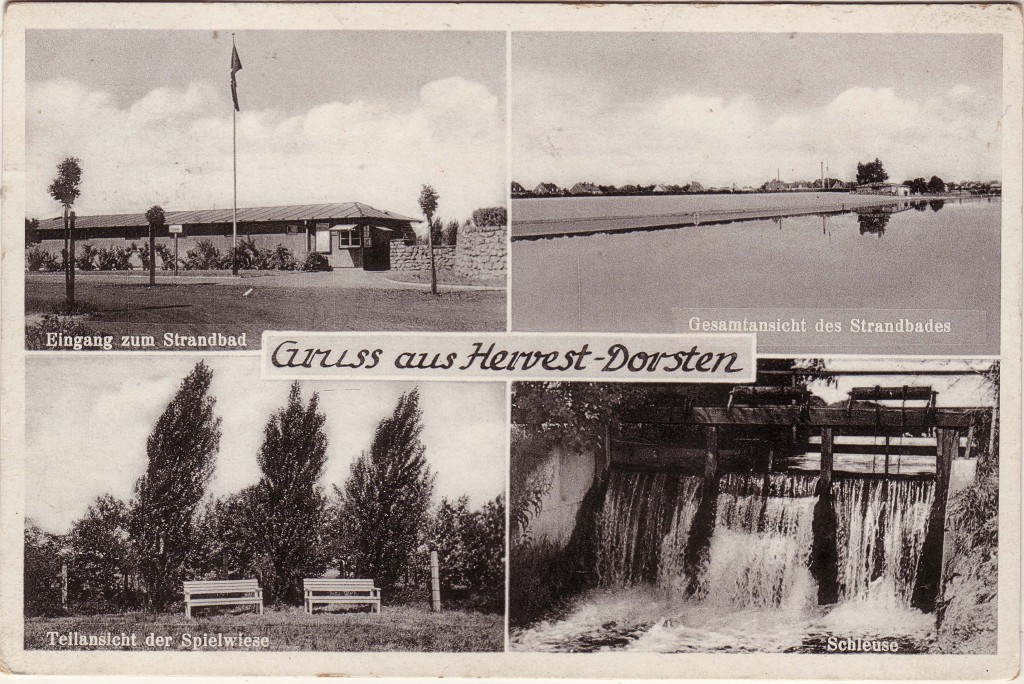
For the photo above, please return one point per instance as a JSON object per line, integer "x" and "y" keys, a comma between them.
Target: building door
{"x": 376, "y": 250}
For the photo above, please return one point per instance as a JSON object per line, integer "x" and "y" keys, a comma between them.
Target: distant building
{"x": 547, "y": 189}
{"x": 661, "y": 189}
{"x": 897, "y": 189}
{"x": 585, "y": 189}
{"x": 694, "y": 187}
{"x": 518, "y": 190}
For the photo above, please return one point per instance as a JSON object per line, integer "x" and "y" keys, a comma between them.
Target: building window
{"x": 349, "y": 238}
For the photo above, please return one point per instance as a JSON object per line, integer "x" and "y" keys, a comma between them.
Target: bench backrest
{"x": 338, "y": 584}
{"x": 220, "y": 586}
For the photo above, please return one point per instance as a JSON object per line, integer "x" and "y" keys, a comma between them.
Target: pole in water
{"x": 435, "y": 583}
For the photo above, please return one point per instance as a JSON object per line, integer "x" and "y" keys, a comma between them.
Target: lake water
{"x": 939, "y": 256}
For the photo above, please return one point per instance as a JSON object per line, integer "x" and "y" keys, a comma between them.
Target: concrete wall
{"x": 570, "y": 475}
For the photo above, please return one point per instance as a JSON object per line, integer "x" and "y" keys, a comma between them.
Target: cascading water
{"x": 882, "y": 526}
{"x": 642, "y": 513}
{"x": 761, "y": 542}
{"x": 753, "y": 589}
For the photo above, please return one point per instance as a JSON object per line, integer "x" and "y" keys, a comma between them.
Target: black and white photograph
{"x": 832, "y": 193}
{"x": 505, "y": 340}
{"x": 287, "y": 180}
{"x": 178, "y": 504}
{"x": 833, "y": 507}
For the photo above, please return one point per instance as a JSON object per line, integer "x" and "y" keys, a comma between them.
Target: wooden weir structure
{"x": 786, "y": 412}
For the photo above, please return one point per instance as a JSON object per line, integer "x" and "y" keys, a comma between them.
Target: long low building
{"x": 349, "y": 234}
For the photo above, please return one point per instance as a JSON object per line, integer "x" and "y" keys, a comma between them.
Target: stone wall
{"x": 416, "y": 258}
{"x": 478, "y": 258}
{"x": 481, "y": 254}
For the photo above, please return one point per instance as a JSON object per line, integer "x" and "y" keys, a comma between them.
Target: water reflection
{"x": 873, "y": 223}
{"x": 936, "y": 204}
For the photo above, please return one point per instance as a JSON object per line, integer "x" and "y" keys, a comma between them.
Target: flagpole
{"x": 234, "y": 180}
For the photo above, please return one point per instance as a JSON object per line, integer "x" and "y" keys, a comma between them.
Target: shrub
{"x": 115, "y": 258}
{"x": 35, "y": 335}
{"x": 84, "y": 259}
{"x": 162, "y": 251}
{"x": 490, "y": 216}
{"x": 204, "y": 256}
{"x": 253, "y": 257}
{"x": 315, "y": 261}
{"x": 282, "y": 259}
{"x": 38, "y": 259}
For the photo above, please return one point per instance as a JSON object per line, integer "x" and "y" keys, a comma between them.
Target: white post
{"x": 64, "y": 585}
{"x": 435, "y": 583}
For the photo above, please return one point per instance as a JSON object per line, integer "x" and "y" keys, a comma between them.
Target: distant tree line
{"x": 377, "y": 524}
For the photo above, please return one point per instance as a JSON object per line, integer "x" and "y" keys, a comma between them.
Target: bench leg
{"x": 188, "y": 610}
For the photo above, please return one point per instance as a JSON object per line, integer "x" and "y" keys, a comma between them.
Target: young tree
{"x": 290, "y": 514}
{"x": 42, "y": 571}
{"x": 180, "y": 451}
{"x": 64, "y": 189}
{"x": 428, "y": 204}
{"x": 872, "y": 172}
{"x": 451, "y": 232}
{"x": 102, "y": 557}
{"x": 384, "y": 502}
{"x": 155, "y": 218}
{"x": 31, "y": 231}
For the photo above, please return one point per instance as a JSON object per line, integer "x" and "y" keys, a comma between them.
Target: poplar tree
{"x": 291, "y": 507}
{"x": 180, "y": 451}
{"x": 385, "y": 500}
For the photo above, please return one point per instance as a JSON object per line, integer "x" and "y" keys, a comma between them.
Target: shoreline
{"x": 564, "y": 227}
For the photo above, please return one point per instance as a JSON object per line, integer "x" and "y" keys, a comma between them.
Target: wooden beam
{"x": 865, "y": 417}
{"x": 929, "y": 568}
{"x": 710, "y": 451}
{"x": 827, "y": 441}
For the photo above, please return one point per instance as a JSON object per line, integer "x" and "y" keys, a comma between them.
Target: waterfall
{"x": 882, "y": 526}
{"x": 641, "y": 512}
{"x": 762, "y": 537}
{"x": 761, "y": 542}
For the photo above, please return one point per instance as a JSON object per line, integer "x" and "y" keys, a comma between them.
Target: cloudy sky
{"x": 88, "y": 420}
{"x": 647, "y": 108}
{"x": 326, "y": 116}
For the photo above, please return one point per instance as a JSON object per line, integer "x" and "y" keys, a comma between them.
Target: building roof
{"x": 353, "y": 211}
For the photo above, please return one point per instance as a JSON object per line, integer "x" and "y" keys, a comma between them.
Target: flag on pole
{"x": 236, "y": 66}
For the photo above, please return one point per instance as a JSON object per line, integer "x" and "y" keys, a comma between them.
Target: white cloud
{"x": 173, "y": 147}
{"x": 721, "y": 140}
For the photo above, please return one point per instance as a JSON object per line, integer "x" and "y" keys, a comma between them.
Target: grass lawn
{"x": 198, "y": 308}
{"x": 395, "y": 628}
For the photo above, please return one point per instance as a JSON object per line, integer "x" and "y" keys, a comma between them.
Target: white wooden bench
{"x": 222, "y": 593}
{"x": 343, "y": 591}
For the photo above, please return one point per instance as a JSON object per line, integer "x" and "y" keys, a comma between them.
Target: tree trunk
{"x": 67, "y": 257}
{"x": 71, "y": 262}
{"x": 152, "y": 254}
{"x": 430, "y": 243}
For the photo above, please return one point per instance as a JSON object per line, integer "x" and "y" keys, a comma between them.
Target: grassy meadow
{"x": 395, "y": 628}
